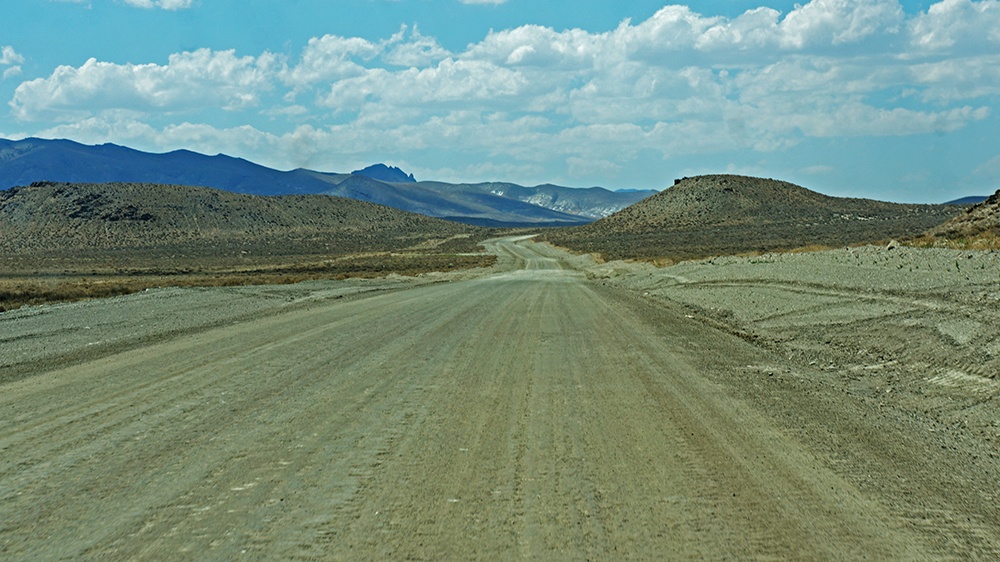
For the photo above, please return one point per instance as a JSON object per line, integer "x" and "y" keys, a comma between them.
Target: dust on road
{"x": 529, "y": 412}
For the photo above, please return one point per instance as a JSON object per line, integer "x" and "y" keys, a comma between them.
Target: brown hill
{"x": 979, "y": 226}
{"x": 59, "y": 218}
{"x": 728, "y": 214}
{"x": 61, "y": 241}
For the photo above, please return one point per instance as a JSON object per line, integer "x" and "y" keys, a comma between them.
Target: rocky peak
{"x": 381, "y": 172}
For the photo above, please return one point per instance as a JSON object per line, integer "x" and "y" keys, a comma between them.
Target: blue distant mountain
{"x": 497, "y": 204}
{"x": 385, "y": 173}
{"x": 30, "y": 160}
{"x": 970, "y": 200}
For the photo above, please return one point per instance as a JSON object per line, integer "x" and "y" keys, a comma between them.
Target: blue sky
{"x": 868, "y": 98}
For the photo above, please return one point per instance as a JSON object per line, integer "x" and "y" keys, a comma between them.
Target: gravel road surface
{"x": 537, "y": 410}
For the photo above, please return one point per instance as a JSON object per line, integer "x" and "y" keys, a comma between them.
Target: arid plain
{"x": 547, "y": 407}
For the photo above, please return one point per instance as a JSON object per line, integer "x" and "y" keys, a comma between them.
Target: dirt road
{"x": 528, "y": 413}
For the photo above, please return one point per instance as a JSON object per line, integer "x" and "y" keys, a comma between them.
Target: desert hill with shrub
{"x": 729, "y": 214}
{"x": 979, "y": 226}
{"x": 58, "y": 218}
{"x": 65, "y": 241}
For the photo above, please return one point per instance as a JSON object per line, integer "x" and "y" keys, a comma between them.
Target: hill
{"x": 979, "y": 227}
{"x": 61, "y": 241}
{"x": 729, "y": 214}
{"x": 49, "y": 218}
{"x": 31, "y": 160}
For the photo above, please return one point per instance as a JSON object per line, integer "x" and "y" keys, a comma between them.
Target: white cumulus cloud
{"x": 8, "y": 56}
{"x": 449, "y": 85}
{"x": 762, "y": 32}
{"x": 190, "y": 79}
{"x": 413, "y": 49}
{"x": 958, "y": 24}
{"x": 543, "y": 47}
{"x": 330, "y": 58}
{"x": 11, "y": 59}
{"x": 837, "y": 22}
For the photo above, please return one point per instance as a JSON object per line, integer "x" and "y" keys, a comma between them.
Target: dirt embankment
{"x": 907, "y": 336}
{"x": 871, "y": 309}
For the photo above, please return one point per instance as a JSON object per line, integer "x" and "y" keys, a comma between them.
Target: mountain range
{"x": 31, "y": 160}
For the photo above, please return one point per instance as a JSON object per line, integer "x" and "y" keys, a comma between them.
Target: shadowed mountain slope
{"x": 50, "y": 217}
{"x": 728, "y": 214}
{"x": 33, "y": 160}
{"x": 590, "y": 202}
{"x": 970, "y": 200}
{"x": 459, "y": 202}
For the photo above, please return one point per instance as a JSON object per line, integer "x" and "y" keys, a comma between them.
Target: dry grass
{"x": 808, "y": 249}
{"x": 655, "y": 262}
{"x": 987, "y": 240}
{"x": 43, "y": 287}
{"x": 662, "y": 262}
